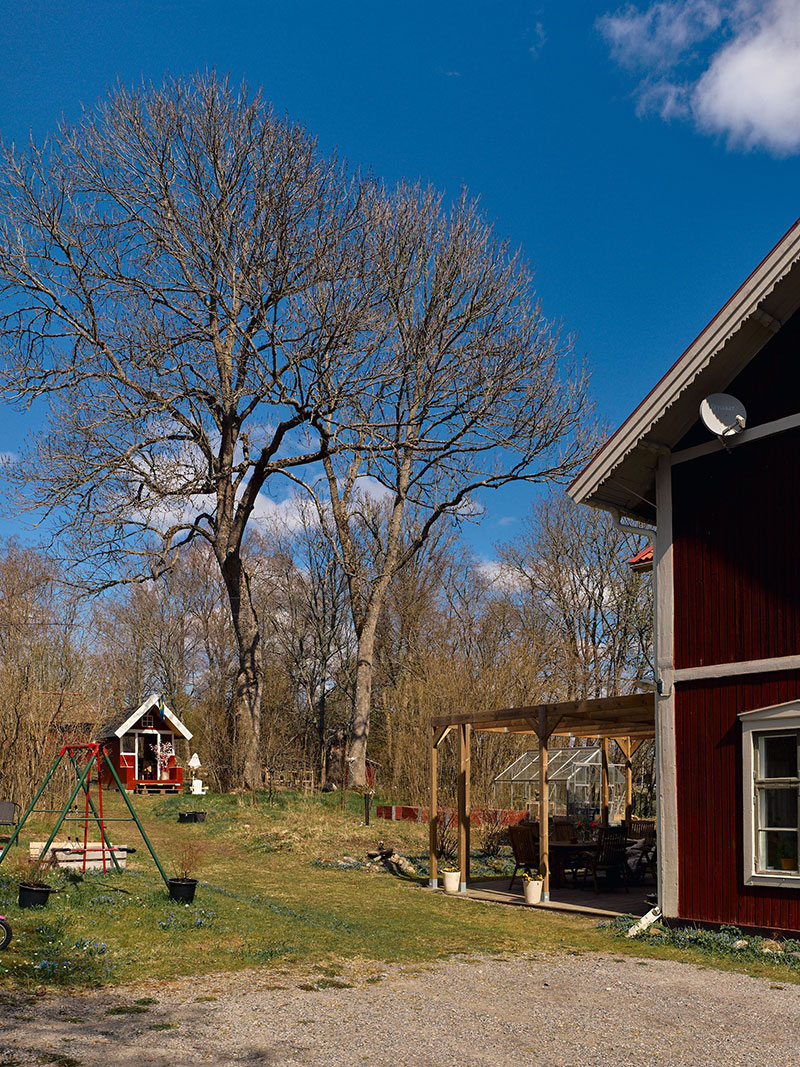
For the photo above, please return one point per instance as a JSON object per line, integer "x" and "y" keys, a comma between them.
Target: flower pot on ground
{"x": 34, "y": 894}
{"x": 451, "y": 881}
{"x": 533, "y": 890}
{"x": 182, "y": 889}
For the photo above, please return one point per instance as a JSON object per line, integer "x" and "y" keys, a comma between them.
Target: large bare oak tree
{"x": 477, "y": 390}
{"x": 181, "y": 277}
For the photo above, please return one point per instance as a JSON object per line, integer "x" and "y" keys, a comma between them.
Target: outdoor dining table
{"x": 559, "y": 853}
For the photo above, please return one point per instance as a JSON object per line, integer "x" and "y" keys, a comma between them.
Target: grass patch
{"x": 271, "y": 896}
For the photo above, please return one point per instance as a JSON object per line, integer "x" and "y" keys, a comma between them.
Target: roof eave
{"x": 641, "y": 427}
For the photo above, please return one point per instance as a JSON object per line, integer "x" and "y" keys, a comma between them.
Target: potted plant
{"x": 451, "y": 876}
{"x": 532, "y": 885}
{"x": 183, "y": 887}
{"x": 34, "y": 893}
{"x": 787, "y": 853}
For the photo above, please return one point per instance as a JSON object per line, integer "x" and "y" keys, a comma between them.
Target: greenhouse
{"x": 575, "y": 779}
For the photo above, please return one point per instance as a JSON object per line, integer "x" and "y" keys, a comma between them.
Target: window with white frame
{"x": 147, "y": 722}
{"x": 777, "y": 790}
{"x": 771, "y": 794}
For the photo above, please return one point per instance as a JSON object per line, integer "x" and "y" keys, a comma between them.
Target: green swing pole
{"x": 103, "y": 837}
{"x": 32, "y": 805}
{"x": 78, "y": 785}
{"x": 132, "y": 810}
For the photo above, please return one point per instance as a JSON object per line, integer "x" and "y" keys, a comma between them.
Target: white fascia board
{"x": 147, "y": 705}
{"x": 696, "y": 358}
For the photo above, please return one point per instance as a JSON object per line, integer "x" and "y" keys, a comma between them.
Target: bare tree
{"x": 573, "y": 584}
{"x": 476, "y": 390}
{"x": 181, "y": 277}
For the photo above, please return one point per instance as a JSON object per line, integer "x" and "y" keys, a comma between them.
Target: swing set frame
{"x": 96, "y": 757}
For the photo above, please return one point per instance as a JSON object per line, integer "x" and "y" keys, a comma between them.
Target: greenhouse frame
{"x": 575, "y": 776}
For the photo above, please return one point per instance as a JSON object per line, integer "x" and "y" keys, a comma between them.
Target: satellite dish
{"x": 723, "y": 415}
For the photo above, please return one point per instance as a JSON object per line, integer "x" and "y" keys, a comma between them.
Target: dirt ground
{"x": 565, "y": 1011}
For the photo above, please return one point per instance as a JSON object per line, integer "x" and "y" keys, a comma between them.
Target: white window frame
{"x": 781, "y": 718}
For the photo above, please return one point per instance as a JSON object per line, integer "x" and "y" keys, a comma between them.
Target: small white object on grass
{"x": 646, "y": 920}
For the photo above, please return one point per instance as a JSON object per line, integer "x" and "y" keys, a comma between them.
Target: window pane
{"x": 777, "y": 807}
{"x": 777, "y": 756}
{"x": 777, "y": 850}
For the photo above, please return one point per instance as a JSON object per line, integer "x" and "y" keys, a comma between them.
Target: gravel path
{"x": 564, "y": 1011}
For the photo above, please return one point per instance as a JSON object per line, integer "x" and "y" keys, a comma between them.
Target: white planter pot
{"x": 451, "y": 881}
{"x": 533, "y": 892}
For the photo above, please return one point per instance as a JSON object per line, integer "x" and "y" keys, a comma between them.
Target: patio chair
{"x": 563, "y": 831}
{"x": 9, "y": 816}
{"x": 525, "y": 846}
{"x": 609, "y": 856}
{"x": 640, "y": 856}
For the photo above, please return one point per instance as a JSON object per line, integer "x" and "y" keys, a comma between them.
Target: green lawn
{"x": 268, "y": 898}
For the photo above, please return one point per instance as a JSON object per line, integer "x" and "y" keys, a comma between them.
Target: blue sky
{"x": 644, "y": 158}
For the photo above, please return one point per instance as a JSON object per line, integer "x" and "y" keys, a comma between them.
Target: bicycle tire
{"x": 5, "y": 934}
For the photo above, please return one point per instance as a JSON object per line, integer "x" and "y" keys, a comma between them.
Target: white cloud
{"x": 499, "y": 574}
{"x": 730, "y": 66}
{"x": 538, "y": 39}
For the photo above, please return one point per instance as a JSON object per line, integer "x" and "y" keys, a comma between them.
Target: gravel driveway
{"x": 560, "y": 1011}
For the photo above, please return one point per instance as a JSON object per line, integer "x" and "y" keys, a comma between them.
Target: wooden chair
{"x": 563, "y": 831}
{"x": 524, "y": 840}
{"x": 9, "y": 816}
{"x": 642, "y": 828}
{"x": 609, "y": 856}
{"x": 640, "y": 858}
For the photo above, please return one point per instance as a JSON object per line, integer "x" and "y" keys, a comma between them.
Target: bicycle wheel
{"x": 5, "y": 934}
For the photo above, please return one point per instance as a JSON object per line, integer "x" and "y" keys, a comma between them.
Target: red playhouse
{"x": 708, "y": 461}
{"x": 141, "y": 745}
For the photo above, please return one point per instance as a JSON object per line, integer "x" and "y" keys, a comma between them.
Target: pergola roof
{"x": 612, "y": 717}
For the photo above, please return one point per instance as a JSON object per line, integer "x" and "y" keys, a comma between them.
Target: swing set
{"x": 94, "y": 755}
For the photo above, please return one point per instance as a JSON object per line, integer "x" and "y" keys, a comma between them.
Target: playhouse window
{"x": 147, "y": 722}
{"x": 777, "y": 801}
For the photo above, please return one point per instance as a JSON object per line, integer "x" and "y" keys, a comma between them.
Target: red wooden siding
{"x": 736, "y": 528}
{"x": 709, "y": 784}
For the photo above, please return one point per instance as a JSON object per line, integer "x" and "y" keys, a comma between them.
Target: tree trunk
{"x": 245, "y": 709}
{"x": 359, "y": 733}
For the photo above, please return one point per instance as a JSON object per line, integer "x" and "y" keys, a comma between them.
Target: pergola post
{"x": 628, "y": 746}
{"x": 464, "y": 731}
{"x": 544, "y": 807}
{"x": 626, "y": 752}
{"x": 604, "y": 781}
{"x": 433, "y": 814}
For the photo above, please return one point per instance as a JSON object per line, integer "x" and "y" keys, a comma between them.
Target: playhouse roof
{"x": 621, "y": 475}
{"x": 118, "y": 725}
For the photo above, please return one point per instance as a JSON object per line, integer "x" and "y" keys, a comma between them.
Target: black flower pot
{"x": 34, "y": 894}
{"x": 199, "y": 816}
{"x": 182, "y": 889}
{"x": 186, "y": 816}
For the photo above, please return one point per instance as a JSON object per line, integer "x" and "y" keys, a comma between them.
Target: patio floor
{"x": 583, "y": 901}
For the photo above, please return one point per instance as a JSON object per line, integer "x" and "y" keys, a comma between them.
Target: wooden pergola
{"x": 628, "y": 720}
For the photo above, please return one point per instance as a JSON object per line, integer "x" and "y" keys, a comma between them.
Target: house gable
{"x": 622, "y": 475}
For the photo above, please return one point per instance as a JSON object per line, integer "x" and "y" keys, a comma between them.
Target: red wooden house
{"x": 724, "y": 513}
{"x": 131, "y": 740}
